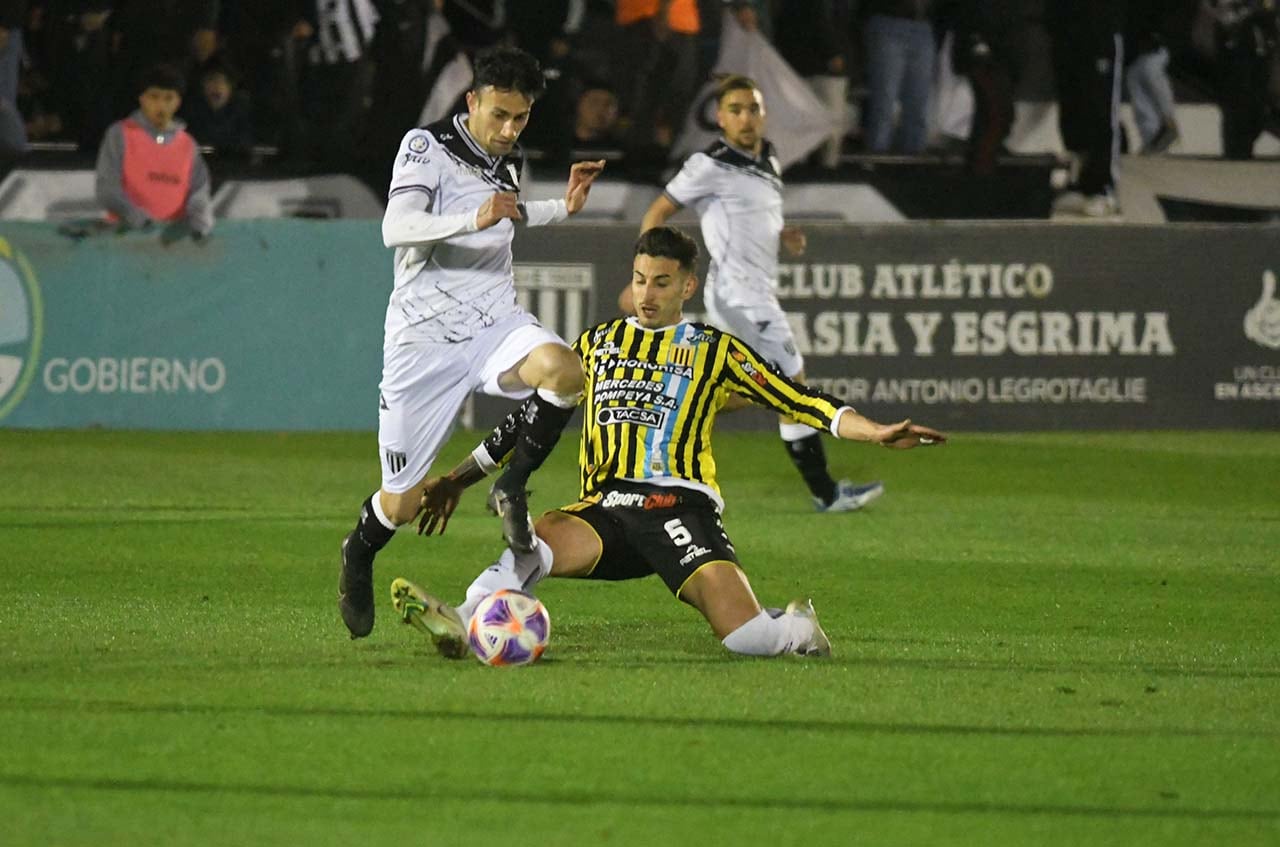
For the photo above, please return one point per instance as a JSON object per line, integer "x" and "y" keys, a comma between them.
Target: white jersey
{"x": 738, "y": 198}
{"x": 451, "y": 281}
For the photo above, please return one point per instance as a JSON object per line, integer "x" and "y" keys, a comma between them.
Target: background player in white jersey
{"x": 453, "y": 325}
{"x": 736, "y": 188}
{"x": 649, "y": 502}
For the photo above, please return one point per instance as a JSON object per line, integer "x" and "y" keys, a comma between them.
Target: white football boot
{"x": 818, "y": 643}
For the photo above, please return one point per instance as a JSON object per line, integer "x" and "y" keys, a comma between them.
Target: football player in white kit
{"x": 735, "y": 186}
{"x": 453, "y": 325}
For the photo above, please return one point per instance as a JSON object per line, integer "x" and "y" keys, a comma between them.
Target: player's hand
{"x": 499, "y": 206}
{"x": 440, "y": 497}
{"x": 175, "y": 232}
{"x": 794, "y": 240}
{"x": 581, "y": 175}
{"x": 904, "y": 435}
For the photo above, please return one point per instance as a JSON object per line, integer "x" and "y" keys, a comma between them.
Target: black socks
{"x": 541, "y": 423}
{"x": 810, "y": 459}
{"x": 369, "y": 530}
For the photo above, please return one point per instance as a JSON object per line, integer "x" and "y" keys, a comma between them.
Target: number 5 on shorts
{"x": 679, "y": 535}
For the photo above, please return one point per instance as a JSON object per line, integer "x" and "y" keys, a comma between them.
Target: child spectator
{"x": 149, "y": 168}
{"x": 219, "y": 115}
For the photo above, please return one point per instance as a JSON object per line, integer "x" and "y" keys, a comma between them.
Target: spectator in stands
{"x": 1087, "y": 55}
{"x": 13, "y": 132}
{"x": 1146, "y": 76}
{"x": 985, "y": 33}
{"x": 900, "y": 50}
{"x": 265, "y": 42}
{"x": 78, "y": 62}
{"x": 1240, "y": 38}
{"x": 595, "y": 125}
{"x": 337, "y": 81}
{"x": 149, "y": 168}
{"x": 546, "y": 30}
{"x": 657, "y": 68}
{"x": 808, "y": 34}
{"x": 146, "y": 33}
{"x": 219, "y": 115}
{"x": 407, "y": 46}
{"x": 593, "y": 131}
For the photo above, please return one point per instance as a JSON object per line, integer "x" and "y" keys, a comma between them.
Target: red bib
{"x": 157, "y": 176}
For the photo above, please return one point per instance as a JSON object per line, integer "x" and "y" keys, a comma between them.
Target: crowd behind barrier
{"x": 330, "y": 86}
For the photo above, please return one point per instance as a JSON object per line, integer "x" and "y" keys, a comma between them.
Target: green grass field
{"x": 1039, "y": 639}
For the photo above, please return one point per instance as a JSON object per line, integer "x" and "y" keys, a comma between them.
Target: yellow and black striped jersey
{"x": 652, "y": 397}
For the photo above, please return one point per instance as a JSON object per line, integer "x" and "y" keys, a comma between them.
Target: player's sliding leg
{"x": 513, "y": 571}
{"x": 804, "y": 446}
{"x": 441, "y": 623}
{"x": 447, "y": 625}
{"x": 721, "y": 592}
{"x": 568, "y": 547}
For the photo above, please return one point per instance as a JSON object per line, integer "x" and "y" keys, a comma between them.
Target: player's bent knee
{"x": 554, "y": 367}
{"x": 575, "y": 547}
{"x": 404, "y": 507}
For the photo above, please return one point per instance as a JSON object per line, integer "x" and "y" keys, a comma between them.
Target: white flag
{"x": 798, "y": 121}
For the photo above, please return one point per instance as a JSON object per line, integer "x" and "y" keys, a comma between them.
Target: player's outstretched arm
{"x": 659, "y": 210}
{"x": 581, "y": 175}
{"x": 902, "y": 435}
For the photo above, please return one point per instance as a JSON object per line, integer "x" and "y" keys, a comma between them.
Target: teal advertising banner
{"x": 267, "y": 325}
{"x": 277, "y": 324}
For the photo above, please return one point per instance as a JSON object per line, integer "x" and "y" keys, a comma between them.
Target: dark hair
{"x": 667, "y": 242}
{"x": 734, "y": 82}
{"x": 509, "y": 69}
{"x": 167, "y": 77}
{"x": 217, "y": 64}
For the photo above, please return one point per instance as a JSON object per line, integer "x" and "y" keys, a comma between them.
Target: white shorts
{"x": 424, "y": 385}
{"x": 763, "y": 326}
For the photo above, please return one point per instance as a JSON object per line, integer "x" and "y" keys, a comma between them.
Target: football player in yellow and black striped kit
{"x": 649, "y": 501}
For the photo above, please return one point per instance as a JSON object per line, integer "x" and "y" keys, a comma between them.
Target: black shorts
{"x": 648, "y": 529}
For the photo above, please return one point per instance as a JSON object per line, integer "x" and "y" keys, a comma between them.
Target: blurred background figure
{"x": 1146, "y": 76}
{"x": 900, "y": 50}
{"x": 984, "y": 46}
{"x": 547, "y": 30}
{"x": 146, "y": 33}
{"x": 809, "y": 34}
{"x": 1239, "y": 37}
{"x": 13, "y": 130}
{"x": 217, "y": 113}
{"x": 657, "y": 68}
{"x": 337, "y": 82}
{"x": 595, "y": 124}
{"x": 1088, "y": 56}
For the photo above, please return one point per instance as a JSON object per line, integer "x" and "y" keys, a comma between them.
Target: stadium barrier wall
{"x": 278, "y": 324}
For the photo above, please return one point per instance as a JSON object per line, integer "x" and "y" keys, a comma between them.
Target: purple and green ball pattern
{"x": 509, "y": 628}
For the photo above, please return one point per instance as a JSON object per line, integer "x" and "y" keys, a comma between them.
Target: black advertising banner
{"x": 1006, "y": 326}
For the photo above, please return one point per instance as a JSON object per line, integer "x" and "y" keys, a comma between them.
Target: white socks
{"x": 560, "y": 401}
{"x": 796, "y": 431}
{"x": 379, "y": 513}
{"x": 520, "y": 573}
{"x": 767, "y": 636}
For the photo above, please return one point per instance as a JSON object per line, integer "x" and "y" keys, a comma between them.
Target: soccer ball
{"x": 509, "y": 628}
